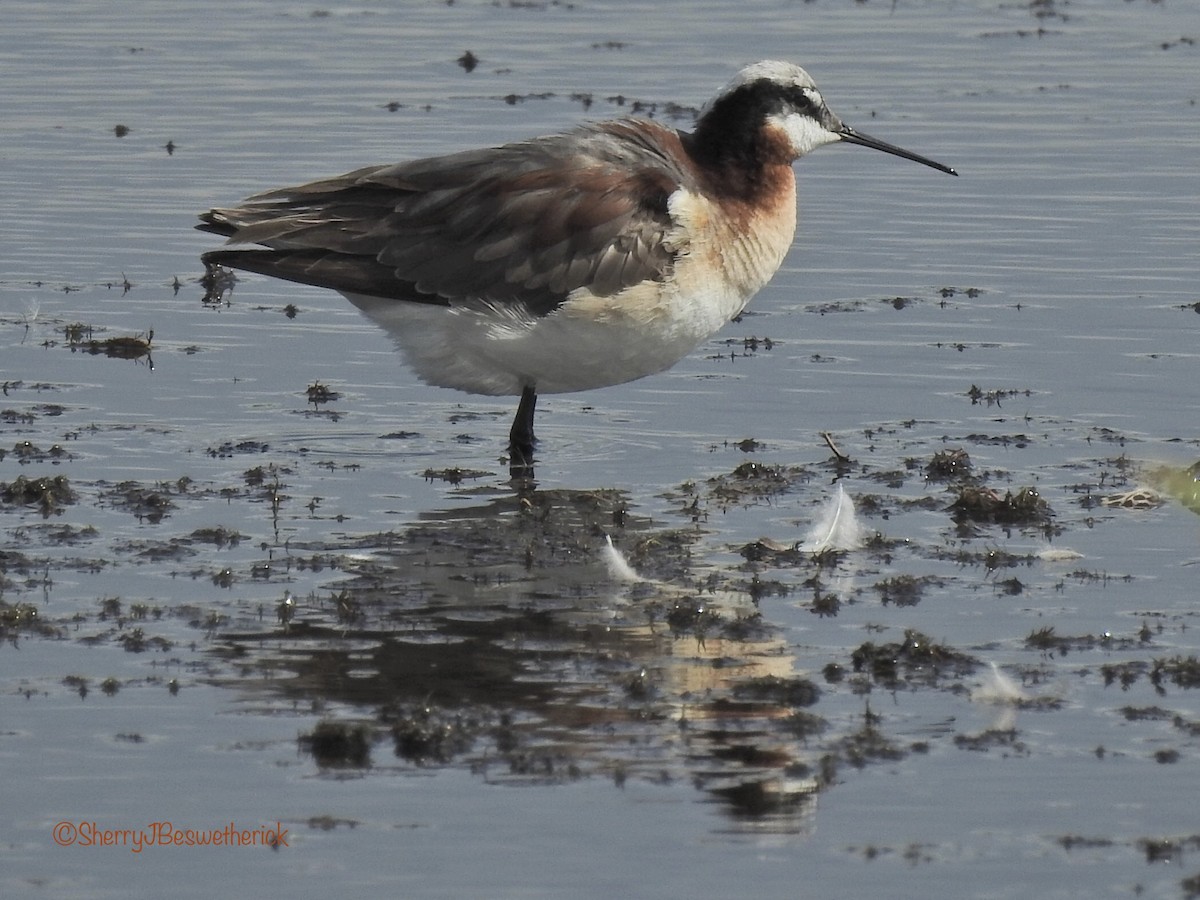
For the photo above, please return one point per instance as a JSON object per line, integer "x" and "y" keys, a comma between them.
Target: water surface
{"x": 235, "y": 566}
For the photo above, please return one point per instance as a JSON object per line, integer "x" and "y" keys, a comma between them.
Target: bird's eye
{"x": 800, "y": 100}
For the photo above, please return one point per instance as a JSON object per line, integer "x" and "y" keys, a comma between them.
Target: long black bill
{"x": 850, "y": 136}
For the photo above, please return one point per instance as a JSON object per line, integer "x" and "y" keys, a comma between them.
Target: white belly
{"x": 589, "y": 342}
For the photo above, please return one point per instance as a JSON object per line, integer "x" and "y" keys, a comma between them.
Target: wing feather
{"x": 525, "y": 223}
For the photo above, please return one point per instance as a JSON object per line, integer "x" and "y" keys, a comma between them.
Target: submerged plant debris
{"x": 82, "y": 338}
{"x": 50, "y": 494}
{"x": 337, "y": 745}
{"x": 1025, "y": 508}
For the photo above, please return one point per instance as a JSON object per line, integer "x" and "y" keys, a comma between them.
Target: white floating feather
{"x": 837, "y": 528}
{"x": 32, "y": 308}
{"x": 997, "y": 688}
{"x": 1058, "y": 554}
{"x": 618, "y": 568}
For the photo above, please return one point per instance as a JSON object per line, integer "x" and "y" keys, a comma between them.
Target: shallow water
{"x": 235, "y": 565}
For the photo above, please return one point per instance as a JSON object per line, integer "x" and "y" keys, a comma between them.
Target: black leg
{"x": 520, "y": 438}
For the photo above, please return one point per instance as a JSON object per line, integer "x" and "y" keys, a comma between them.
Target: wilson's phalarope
{"x": 562, "y": 263}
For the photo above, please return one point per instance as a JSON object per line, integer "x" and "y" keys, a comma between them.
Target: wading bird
{"x": 561, "y": 263}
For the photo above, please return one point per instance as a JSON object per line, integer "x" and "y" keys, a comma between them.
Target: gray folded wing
{"x": 525, "y": 223}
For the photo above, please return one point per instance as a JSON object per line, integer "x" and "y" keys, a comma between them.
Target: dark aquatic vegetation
{"x": 986, "y": 506}
{"x": 338, "y": 745}
{"x": 949, "y": 465}
{"x": 52, "y": 494}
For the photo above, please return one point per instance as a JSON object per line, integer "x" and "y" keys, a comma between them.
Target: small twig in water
{"x": 842, "y": 457}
